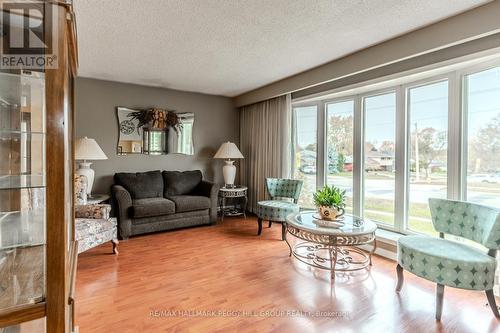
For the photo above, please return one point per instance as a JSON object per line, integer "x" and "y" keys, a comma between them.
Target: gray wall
{"x": 216, "y": 121}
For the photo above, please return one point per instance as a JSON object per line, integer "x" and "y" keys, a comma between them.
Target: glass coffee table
{"x": 331, "y": 248}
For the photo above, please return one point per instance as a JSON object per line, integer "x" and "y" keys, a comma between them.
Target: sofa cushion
{"x": 152, "y": 207}
{"x": 188, "y": 203}
{"x": 141, "y": 185}
{"x": 179, "y": 183}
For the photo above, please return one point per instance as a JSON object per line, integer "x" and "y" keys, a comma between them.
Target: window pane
{"x": 304, "y": 150}
{"x": 340, "y": 147}
{"x": 428, "y": 127}
{"x": 482, "y": 95}
{"x": 379, "y": 149}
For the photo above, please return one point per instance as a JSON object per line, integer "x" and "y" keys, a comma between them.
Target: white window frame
{"x": 452, "y": 148}
{"x": 457, "y": 138}
{"x": 464, "y": 126}
{"x": 318, "y": 105}
{"x": 342, "y": 99}
{"x": 363, "y": 97}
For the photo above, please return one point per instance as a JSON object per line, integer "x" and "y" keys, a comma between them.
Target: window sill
{"x": 387, "y": 236}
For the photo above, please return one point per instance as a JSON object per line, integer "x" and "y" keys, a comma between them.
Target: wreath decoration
{"x": 156, "y": 118}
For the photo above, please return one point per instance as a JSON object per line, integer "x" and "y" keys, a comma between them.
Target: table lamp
{"x": 88, "y": 149}
{"x": 228, "y": 151}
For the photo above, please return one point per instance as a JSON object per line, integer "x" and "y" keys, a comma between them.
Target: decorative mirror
{"x": 154, "y": 131}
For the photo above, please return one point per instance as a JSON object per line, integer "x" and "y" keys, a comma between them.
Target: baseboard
{"x": 381, "y": 252}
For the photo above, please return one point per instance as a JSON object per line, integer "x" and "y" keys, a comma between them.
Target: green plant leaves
{"x": 330, "y": 196}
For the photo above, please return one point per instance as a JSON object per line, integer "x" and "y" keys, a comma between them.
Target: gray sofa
{"x": 155, "y": 201}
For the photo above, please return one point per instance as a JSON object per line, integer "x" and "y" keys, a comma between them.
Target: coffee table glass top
{"x": 353, "y": 225}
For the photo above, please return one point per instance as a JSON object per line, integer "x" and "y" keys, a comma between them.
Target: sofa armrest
{"x": 209, "y": 190}
{"x": 123, "y": 202}
{"x": 95, "y": 211}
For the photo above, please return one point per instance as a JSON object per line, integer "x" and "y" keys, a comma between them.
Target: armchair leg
{"x": 439, "y": 301}
{"x": 259, "y": 220}
{"x": 491, "y": 301}
{"x": 270, "y": 224}
{"x": 115, "y": 246}
{"x": 399, "y": 271}
{"x": 283, "y": 230}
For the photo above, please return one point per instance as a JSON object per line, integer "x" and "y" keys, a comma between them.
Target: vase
{"x": 330, "y": 213}
{"x": 81, "y": 184}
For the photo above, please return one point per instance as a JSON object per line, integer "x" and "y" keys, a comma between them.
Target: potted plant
{"x": 330, "y": 201}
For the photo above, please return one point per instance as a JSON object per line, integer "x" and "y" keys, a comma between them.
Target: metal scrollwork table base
{"x": 333, "y": 249}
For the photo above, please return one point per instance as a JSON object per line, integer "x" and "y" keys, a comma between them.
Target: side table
{"x": 238, "y": 192}
{"x": 97, "y": 199}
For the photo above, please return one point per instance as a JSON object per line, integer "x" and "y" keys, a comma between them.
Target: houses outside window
{"x": 395, "y": 146}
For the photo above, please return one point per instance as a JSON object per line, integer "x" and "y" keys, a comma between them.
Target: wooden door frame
{"x": 58, "y": 114}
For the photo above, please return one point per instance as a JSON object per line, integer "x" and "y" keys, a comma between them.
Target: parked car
{"x": 484, "y": 178}
{"x": 308, "y": 169}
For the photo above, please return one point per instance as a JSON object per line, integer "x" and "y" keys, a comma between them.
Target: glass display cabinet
{"x": 37, "y": 248}
{"x": 22, "y": 188}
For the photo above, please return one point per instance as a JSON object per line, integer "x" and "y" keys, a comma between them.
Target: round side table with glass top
{"x": 333, "y": 249}
{"x": 231, "y": 193}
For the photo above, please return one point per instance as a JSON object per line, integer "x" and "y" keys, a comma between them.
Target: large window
{"x": 379, "y": 154}
{"x": 304, "y": 151}
{"x": 482, "y": 96}
{"x": 428, "y": 149}
{"x": 395, "y": 146}
{"x": 340, "y": 145}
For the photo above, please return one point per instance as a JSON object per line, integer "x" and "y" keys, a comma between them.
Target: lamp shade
{"x": 88, "y": 149}
{"x": 228, "y": 150}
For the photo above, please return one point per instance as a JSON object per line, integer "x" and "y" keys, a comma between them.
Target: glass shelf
{"x": 26, "y": 199}
{"x": 22, "y": 228}
{"x": 22, "y": 181}
{"x": 16, "y": 131}
{"x": 22, "y": 104}
{"x": 22, "y": 159}
{"x": 21, "y": 276}
{"x": 22, "y": 188}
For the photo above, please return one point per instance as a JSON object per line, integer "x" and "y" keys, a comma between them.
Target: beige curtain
{"x": 265, "y": 142}
{"x": 496, "y": 287}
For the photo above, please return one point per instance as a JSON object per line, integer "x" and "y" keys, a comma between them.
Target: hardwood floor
{"x": 228, "y": 268}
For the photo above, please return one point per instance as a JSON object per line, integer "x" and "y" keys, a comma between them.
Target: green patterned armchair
{"x": 449, "y": 263}
{"x": 279, "y": 207}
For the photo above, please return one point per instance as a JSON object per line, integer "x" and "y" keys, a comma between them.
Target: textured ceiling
{"x": 227, "y": 47}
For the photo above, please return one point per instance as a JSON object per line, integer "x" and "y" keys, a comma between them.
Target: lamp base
{"x": 85, "y": 170}
{"x": 229, "y": 172}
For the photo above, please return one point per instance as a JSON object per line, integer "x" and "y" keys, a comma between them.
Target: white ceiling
{"x": 228, "y": 47}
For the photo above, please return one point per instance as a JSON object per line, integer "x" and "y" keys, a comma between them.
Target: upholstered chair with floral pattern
{"x": 284, "y": 194}
{"x": 94, "y": 227}
{"x": 450, "y": 263}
